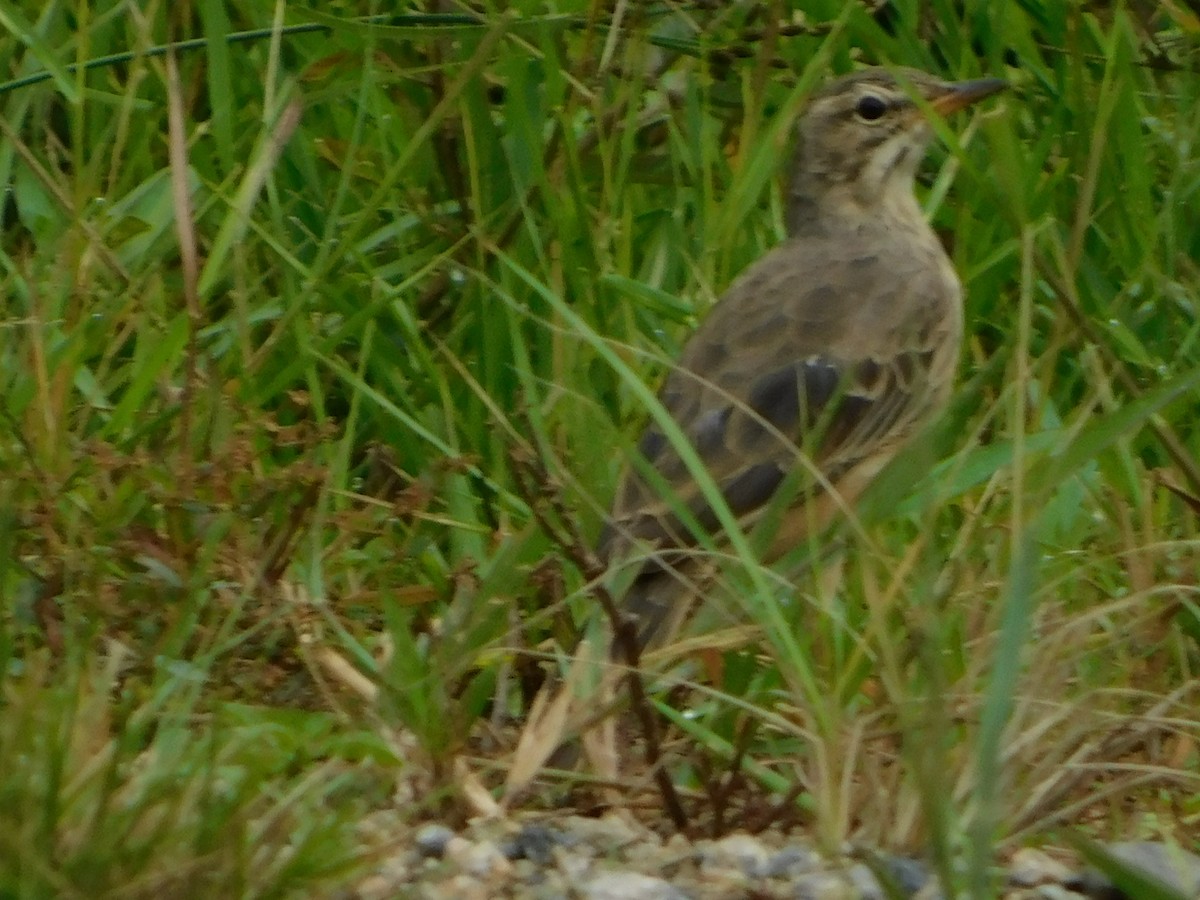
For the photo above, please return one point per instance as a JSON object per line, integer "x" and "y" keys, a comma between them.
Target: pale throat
{"x": 884, "y": 187}
{"x": 885, "y": 206}
{"x": 878, "y": 196}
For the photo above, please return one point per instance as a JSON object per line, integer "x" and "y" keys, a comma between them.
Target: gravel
{"x": 612, "y": 858}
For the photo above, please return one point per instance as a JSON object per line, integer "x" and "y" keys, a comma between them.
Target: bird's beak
{"x": 960, "y": 94}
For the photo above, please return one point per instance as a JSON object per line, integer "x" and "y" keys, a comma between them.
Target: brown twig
{"x": 542, "y": 493}
{"x": 776, "y": 812}
{"x": 733, "y": 772}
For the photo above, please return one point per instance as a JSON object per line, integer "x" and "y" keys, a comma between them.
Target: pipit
{"x": 821, "y": 360}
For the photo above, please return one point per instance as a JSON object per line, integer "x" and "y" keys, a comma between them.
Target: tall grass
{"x": 265, "y": 561}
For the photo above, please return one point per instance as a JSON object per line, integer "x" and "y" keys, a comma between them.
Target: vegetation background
{"x": 322, "y": 342}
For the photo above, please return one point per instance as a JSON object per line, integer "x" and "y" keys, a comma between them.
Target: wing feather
{"x": 783, "y": 366}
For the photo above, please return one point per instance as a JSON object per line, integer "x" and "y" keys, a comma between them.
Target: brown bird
{"x": 816, "y": 366}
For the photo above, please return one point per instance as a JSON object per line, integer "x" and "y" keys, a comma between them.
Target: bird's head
{"x": 863, "y": 135}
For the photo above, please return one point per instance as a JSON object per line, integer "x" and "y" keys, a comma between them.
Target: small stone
{"x": 457, "y": 847}
{"x": 1173, "y": 866}
{"x": 533, "y": 842}
{"x": 791, "y": 861}
{"x": 678, "y": 847}
{"x": 824, "y": 886}
{"x": 460, "y": 887}
{"x": 1030, "y": 868}
{"x": 630, "y": 886}
{"x": 573, "y": 865}
{"x": 865, "y": 882}
{"x": 672, "y": 859}
{"x": 605, "y": 834}
{"x": 741, "y": 852}
{"x": 910, "y": 875}
{"x": 375, "y": 887}
{"x": 481, "y": 859}
{"x": 431, "y": 840}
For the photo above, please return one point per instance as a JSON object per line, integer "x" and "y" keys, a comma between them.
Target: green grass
{"x": 265, "y": 559}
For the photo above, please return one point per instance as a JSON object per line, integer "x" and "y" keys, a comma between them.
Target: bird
{"x": 820, "y": 362}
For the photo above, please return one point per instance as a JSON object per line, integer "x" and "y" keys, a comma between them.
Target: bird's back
{"x": 836, "y": 344}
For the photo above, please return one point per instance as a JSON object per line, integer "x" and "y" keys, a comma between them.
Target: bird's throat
{"x": 849, "y": 208}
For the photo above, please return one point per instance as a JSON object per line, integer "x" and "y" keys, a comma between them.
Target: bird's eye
{"x": 870, "y": 108}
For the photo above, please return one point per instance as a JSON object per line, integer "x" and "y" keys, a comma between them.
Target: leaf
{"x": 1111, "y": 427}
{"x": 16, "y": 24}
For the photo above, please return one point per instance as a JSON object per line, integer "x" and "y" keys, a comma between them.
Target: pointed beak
{"x": 960, "y": 94}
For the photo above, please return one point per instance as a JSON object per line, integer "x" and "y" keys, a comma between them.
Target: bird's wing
{"x": 841, "y": 363}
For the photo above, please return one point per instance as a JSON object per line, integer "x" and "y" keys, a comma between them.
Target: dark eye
{"x": 870, "y": 108}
